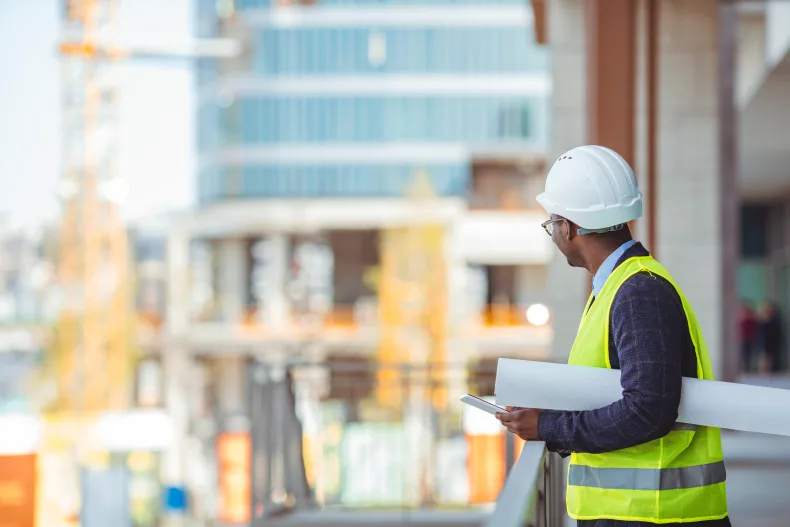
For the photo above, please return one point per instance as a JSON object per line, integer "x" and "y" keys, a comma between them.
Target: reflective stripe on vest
{"x": 647, "y": 478}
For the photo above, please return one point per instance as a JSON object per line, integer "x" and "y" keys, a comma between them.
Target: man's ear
{"x": 572, "y": 230}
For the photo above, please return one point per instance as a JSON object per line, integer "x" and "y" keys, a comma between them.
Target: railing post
{"x": 510, "y": 451}
{"x": 539, "y": 514}
{"x": 555, "y": 490}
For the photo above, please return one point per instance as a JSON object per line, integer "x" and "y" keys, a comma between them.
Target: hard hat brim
{"x": 594, "y": 219}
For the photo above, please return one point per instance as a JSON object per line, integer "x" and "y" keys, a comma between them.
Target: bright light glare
{"x": 538, "y": 315}
{"x": 114, "y": 190}
{"x": 143, "y": 430}
{"x": 377, "y": 49}
{"x": 67, "y": 189}
{"x": 21, "y": 434}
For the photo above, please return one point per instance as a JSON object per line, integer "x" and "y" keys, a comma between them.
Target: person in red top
{"x": 749, "y": 329}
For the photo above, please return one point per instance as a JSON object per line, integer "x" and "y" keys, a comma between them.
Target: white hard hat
{"x": 594, "y": 187}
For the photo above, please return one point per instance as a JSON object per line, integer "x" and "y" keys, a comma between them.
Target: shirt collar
{"x": 608, "y": 266}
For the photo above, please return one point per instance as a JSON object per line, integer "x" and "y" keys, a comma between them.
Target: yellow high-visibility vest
{"x": 675, "y": 479}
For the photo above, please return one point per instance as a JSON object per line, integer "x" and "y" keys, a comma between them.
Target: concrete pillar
{"x": 274, "y": 303}
{"x": 777, "y": 31}
{"x": 645, "y": 122}
{"x": 176, "y": 363}
{"x": 233, "y": 279}
{"x": 460, "y": 312}
{"x": 688, "y": 184}
{"x": 752, "y": 53}
{"x": 234, "y": 283}
{"x": 729, "y": 199}
{"x": 566, "y": 38}
{"x": 231, "y": 392}
{"x": 611, "y": 74}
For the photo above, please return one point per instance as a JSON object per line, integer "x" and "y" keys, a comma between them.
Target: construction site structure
{"x": 413, "y": 294}
{"x": 306, "y": 156}
{"x": 90, "y": 365}
{"x": 94, "y": 335}
{"x": 93, "y": 338}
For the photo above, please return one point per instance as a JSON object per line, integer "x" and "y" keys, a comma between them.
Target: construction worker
{"x": 631, "y": 463}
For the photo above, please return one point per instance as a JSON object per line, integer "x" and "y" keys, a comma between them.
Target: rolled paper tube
{"x": 551, "y": 386}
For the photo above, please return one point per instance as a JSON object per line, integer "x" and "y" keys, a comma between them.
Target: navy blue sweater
{"x": 649, "y": 342}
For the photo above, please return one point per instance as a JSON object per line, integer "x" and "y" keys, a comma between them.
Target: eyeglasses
{"x": 548, "y": 225}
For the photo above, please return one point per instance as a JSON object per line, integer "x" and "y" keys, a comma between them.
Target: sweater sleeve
{"x": 650, "y": 333}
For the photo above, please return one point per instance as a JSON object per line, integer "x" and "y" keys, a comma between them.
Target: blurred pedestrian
{"x": 770, "y": 336}
{"x": 631, "y": 463}
{"x": 748, "y": 326}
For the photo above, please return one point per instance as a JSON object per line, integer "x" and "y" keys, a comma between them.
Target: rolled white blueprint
{"x": 550, "y": 386}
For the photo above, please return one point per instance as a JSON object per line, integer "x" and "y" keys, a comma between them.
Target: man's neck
{"x": 597, "y": 262}
{"x": 599, "y": 257}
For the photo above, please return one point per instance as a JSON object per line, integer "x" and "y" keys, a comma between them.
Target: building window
{"x": 754, "y": 231}
{"x": 356, "y": 252}
{"x": 514, "y": 121}
{"x": 506, "y": 184}
{"x": 342, "y": 51}
{"x": 286, "y": 119}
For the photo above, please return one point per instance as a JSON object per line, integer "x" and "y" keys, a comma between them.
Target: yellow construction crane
{"x": 93, "y": 333}
{"x": 90, "y": 361}
{"x": 93, "y": 336}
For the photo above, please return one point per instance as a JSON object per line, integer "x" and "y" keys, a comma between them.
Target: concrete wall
{"x": 568, "y": 129}
{"x": 687, "y": 207}
{"x": 777, "y": 31}
{"x": 688, "y": 215}
{"x": 752, "y": 57}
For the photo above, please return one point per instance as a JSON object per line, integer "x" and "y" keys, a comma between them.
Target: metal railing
{"x": 356, "y": 453}
{"x": 533, "y": 492}
{"x": 321, "y": 431}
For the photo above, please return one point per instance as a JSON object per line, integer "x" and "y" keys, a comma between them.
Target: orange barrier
{"x": 150, "y": 320}
{"x": 234, "y": 450}
{"x": 341, "y": 317}
{"x": 18, "y": 490}
{"x": 487, "y": 456}
{"x": 505, "y": 316}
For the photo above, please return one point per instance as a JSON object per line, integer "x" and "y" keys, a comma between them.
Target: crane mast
{"x": 92, "y": 336}
{"x": 94, "y": 333}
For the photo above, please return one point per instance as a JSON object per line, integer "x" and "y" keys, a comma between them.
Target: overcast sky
{"x": 156, "y": 118}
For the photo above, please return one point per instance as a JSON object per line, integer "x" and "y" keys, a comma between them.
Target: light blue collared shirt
{"x": 608, "y": 266}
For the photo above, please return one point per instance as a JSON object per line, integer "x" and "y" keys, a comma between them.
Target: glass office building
{"x": 354, "y": 98}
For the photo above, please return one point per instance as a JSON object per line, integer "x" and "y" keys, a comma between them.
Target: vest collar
{"x": 608, "y": 266}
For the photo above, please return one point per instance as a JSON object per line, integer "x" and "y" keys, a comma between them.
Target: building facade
{"x": 309, "y": 146}
{"x": 337, "y": 99}
{"x": 27, "y": 308}
{"x": 328, "y": 129}
{"x": 366, "y": 185}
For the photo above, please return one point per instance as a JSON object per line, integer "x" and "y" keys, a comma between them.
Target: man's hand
{"x": 521, "y": 421}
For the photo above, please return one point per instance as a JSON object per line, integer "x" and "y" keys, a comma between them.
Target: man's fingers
{"x": 504, "y": 417}
{"x": 513, "y": 429}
